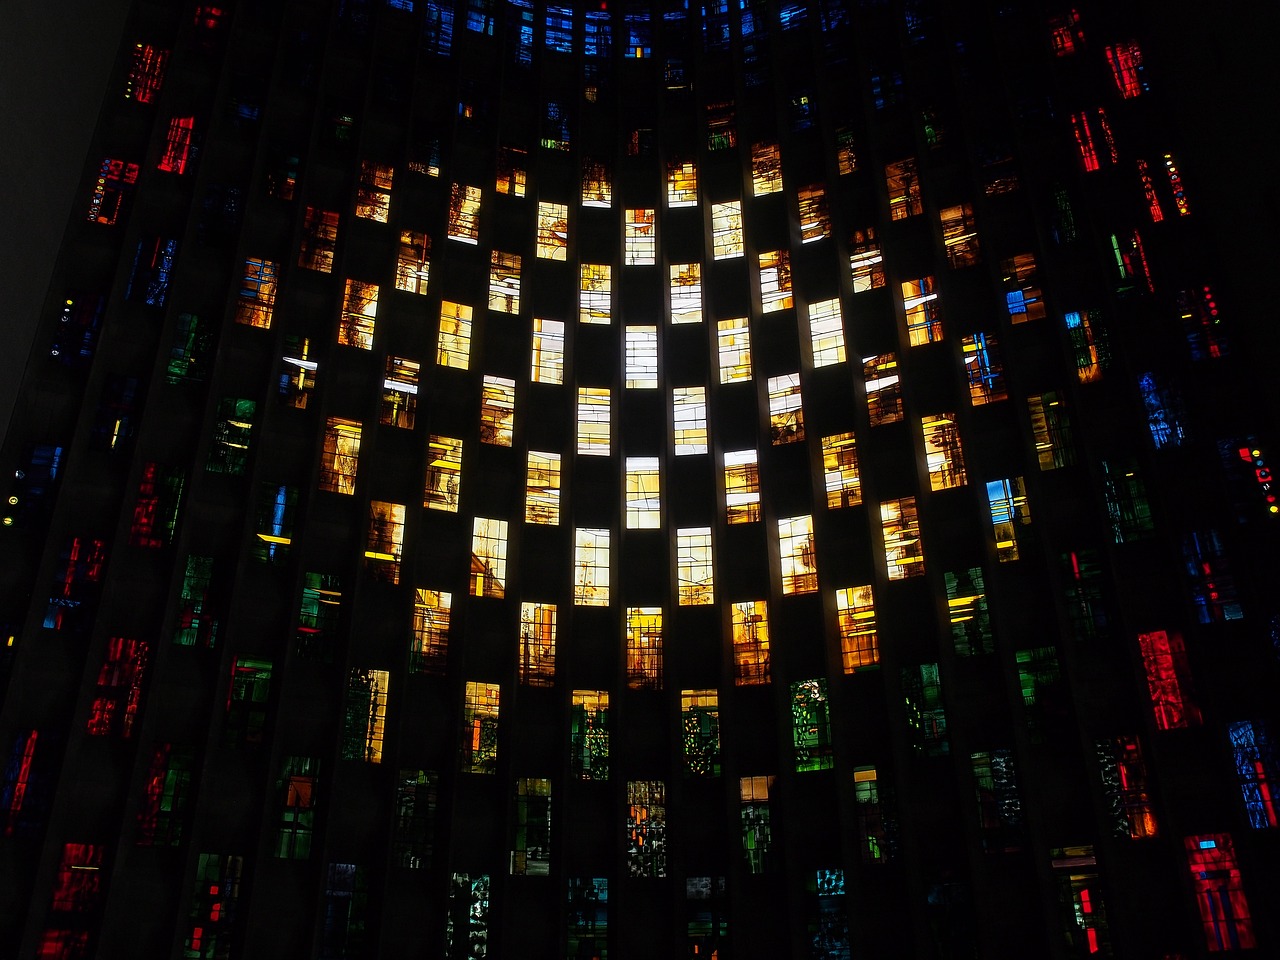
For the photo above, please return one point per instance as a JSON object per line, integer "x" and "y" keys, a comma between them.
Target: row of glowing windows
{"x": 942, "y": 448}
{"x": 366, "y": 707}
{"x": 1163, "y": 654}
{"x": 80, "y": 884}
{"x": 1210, "y": 582}
{"x": 921, "y": 305}
{"x": 798, "y": 555}
{"x": 374, "y": 190}
{"x": 984, "y": 369}
{"x": 1120, "y": 759}
{"x": 640, "y": 239}
{"x": 148, "y": 64}
{"x": 373, "y": 196}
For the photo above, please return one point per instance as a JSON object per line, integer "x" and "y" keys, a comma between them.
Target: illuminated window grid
{"x": 119, "y": 689}
{"x": 968, "y": 612}
{"x": 555, "y": 125}
{"x": 959, "y": 236}
{"x": 590, "y": 567}
{"x": 431, "y": 612}
{"x": 464, "y": 214}
{"x": 644, "y": 648}
{"x": 750, "y": 633}
{"x": 444, "y": 474}
{"x": 811, "y": 725}
{"x": 1089, "y": 344}
{"x": 178, "y": 146}
{"x": 815, "y": 221}
{"x": 595, "y": 293}
{"x": 1225, "y": 915}
{"x": 643, "y": 493}
{"x": 840, "y": 471}
{"x": 146, "y": 74}
{"x": 884, "y": 389}
{"x": 721, "y": 128}
{"x": 379, "y": 175}
{"x": 682, "y": 183}
{"x": 766, "y": 169}
{"x": 943, "y": 455}
{"x": 786, "y": 413}
{"x": 542, "y": 488}
{"x": 531, "y": 851}
{"x": 903, "y": 185}
{"x": 1254, "y": 753}
{"x": 1126, "y": 785}
{"x": 547, "y": 359}
{"x": 1065, "y": 30}
{"x": 733, "y": 343}
{"x": 1125, "y": 60}
{"x": 340, "y": 456}
{"x": 497, "y": 410}
{"x": 694, "y": 576}
{"x": 686, "y": 293}
{"x": 359, "y": 311}
{"x": 924, "y": 318}
{"x": 589, "y": 735}
{"x": 1008, "y": 500}
{"x": 1148, "y": 190}
{"x": 537, "y": 643}
{"x": 646, "y": 837}
{"x": 112, "y": 186}
{"x": 1175, "y": 184}
{"x": 846, "y": 154}
{"x": 373, "y": 192}
{"x": 400, "y": 393}
{"x": 1084, "y": 141}
{"x": 479, "y": 752}
{"x": 856, "y": 616}
{"x": 1164, "y": 661}
{"x": 156, "y": 513}
{"x": 798, "y": 557}
{"x": 231, "y": 436}
{"x": 365, "y": 722}
{"x": 593, "y": 421}
{"x": 453, "y": 347}
{"x": 753, "y": 793}
{"x": 597, "y": 188}
{"x": 512, "y": 173}
{"x": 1050, "y": 431}
{"x": 874, "y": 822}
{"x": 775, "y": 281}
{"x": 319, "y": 240}
{"x": 826, "y": 333}
{"x": 689, "y": 420}
{"x": 903, "y": 551}
{"x": 553, "y": 231}
{"x": 504, "y": 282}
{"x": 1022, "y": 288}
{"x": 257, "y": 297}
{"x": 386, "y": 540}
{"x": 700, "y": 730}
{"x": 866, "y": 261}
{"x": 742, "y": 486}
{"x": 273, "y": 524}
{"x": 983, "y": 369}
{"x": 488, "y": 557}
{"x": 413, "y": 263}
{"x": 726, "y": 230}
{"x": 641, "y": 357}
{"x": 640, "y": 242}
